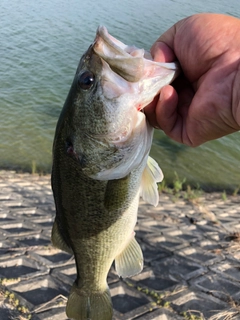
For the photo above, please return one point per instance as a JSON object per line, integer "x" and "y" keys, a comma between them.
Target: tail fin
{"x": 83, "y": 305}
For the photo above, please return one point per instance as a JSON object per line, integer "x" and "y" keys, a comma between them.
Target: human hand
{"x": 203, "y": 103}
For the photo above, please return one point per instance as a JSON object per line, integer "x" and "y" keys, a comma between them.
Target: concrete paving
{"x": 191, "y": 251}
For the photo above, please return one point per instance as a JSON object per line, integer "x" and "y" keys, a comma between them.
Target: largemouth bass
{"x": 101, "y": 167}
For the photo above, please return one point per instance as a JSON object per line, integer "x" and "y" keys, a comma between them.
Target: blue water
{"x": 41, "y": 44}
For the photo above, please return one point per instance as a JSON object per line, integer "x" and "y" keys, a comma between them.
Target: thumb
{"x": 163, "y": 48}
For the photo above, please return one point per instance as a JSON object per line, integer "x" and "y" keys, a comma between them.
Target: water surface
{"x": 41, "y": 44}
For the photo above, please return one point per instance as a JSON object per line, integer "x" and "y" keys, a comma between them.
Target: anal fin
{"x": 57, "y": 239}
{"x": 130, "y": 261}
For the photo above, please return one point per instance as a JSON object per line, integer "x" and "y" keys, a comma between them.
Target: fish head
{"x": 108, "y": 133}
{"x": 103, "y": 99}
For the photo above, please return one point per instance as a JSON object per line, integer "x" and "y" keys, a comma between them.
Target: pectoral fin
{"x": 57, "y": 239}
{"x": 130, "y": 261}
{"x": 152, "y": 174}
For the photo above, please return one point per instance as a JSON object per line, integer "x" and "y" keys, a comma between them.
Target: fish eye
{"x": 86, "y": 80}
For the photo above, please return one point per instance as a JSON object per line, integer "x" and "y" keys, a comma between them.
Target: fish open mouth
{"x": 127, "y": 69}
{"x": 126, "y": 61}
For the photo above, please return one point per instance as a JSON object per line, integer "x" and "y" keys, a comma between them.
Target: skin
{"x": 204, "y": 102}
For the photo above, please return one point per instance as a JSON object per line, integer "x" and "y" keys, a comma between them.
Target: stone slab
{"x": 191, "y": 251}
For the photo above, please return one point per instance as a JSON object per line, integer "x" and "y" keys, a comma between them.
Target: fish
{"x": 101, "y": 166}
